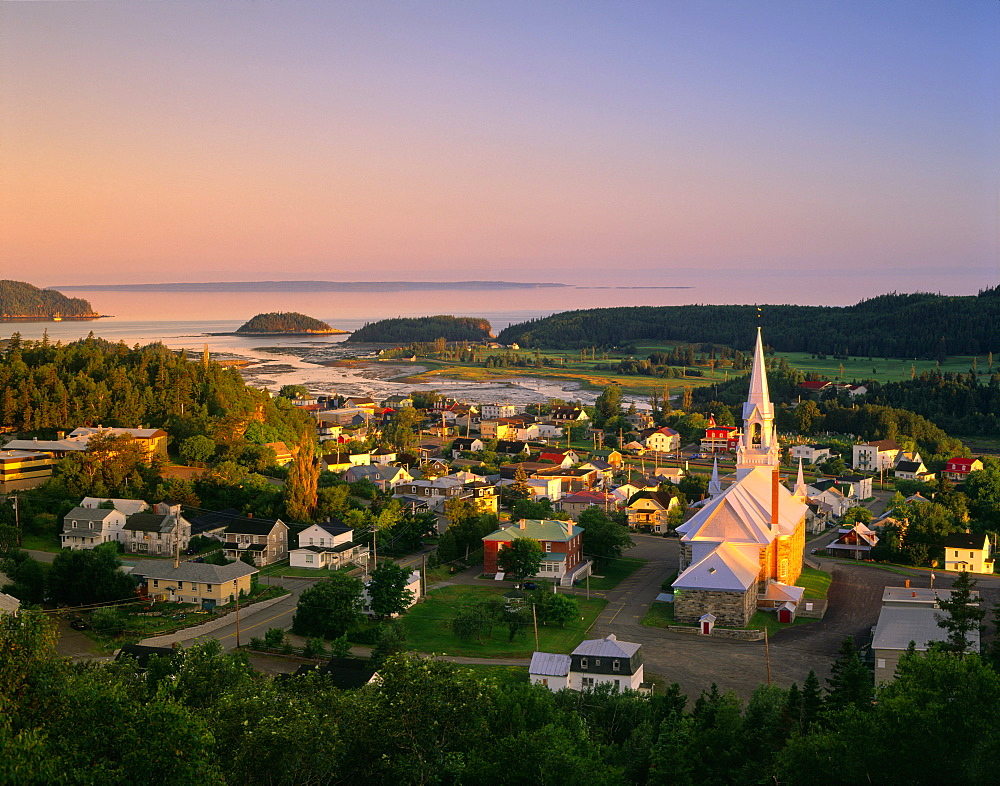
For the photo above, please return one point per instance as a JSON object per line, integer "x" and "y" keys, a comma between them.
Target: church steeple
{"x": 759, "y": 444}
{"x": 800, "y": 484}
{"x": 715, "y": 485}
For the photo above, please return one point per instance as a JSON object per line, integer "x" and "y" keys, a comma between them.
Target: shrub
{"x": 315, "y": 648}
{"x": 340, "y": 647}
{"x": 274, "y": 637}
{"x": 257, "y": 643}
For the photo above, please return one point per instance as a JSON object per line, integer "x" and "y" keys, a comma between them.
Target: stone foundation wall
{"x": 731, "y": 609}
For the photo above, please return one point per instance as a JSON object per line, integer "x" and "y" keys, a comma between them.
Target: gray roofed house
{"x": 265, "y": 541}
{"x": 594, "y": 662}
{"x": 164, "y": 532}
{"x": 196, "y": 582}
{"x": 85, "y": 528}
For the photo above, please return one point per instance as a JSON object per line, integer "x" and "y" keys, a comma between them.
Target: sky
{"x": 643, "y": 143}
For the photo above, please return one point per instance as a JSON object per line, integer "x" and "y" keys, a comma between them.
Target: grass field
{"x": 615, "y": 572}
{"x": 584, "y": 373}
{"x": 816, "y": 583}
{"x": 428, "y": 627}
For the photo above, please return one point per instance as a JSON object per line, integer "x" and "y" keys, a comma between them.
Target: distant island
{"x": 306, "y": 286}
{"x": 285, "y": 322}
{"x": 402, "y": 330}
{"x": 20, "y": 301}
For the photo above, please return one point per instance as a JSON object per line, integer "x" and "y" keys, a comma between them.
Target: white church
{"x": 743, "y": 549}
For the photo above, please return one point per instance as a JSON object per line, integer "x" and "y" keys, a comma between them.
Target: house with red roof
{"x": 814, "y": 389}
{"x": 563, "y": 458}
{"x": 719, "y": 439}
{"x": 958, "y": 468}
{"x": 579, "y": 501}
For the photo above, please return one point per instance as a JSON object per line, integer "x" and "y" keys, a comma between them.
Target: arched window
{"x": 755, "y": 435}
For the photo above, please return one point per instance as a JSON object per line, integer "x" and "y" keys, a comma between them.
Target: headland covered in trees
{"x": 919, "y": 325}
{"x": 309, "y": 286}
{"x": 22, "y": 301}
{"x": 286, "y": 322}
{"x": 407, "y": 330}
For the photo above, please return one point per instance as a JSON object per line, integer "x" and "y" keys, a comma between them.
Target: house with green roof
{"x": 562, "y": 542}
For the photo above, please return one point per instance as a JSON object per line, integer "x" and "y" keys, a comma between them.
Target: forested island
{"x": 406, "y": 330}
{"x": 919, "y": 325}
{"x": 285, "y": 322}
{"x": 22, "y": 301}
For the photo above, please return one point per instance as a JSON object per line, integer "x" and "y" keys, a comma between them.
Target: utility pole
{"x": 237, "y": 616}
{"x": 423, "y": 575}
{"x": 767, "y": 656}
{"x": 534, "y": 620}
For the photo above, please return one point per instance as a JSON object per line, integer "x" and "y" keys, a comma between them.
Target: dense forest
{"x": 402, "y": 330}
{"x": 958, "y": 403}
{"x": 916, "y": 326}
{"x": 48, "y": 387}
{"x": 18, "y": 299}
{"x": 202, "y": 716}
{"x": 284, "y": 322}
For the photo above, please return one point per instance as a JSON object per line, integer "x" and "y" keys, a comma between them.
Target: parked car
{"x": 529, "y": 585}
{"x": 78, "y": 624}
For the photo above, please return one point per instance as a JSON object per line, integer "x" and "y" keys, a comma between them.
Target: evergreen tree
{"x": 850, "y": 683}
{"x": 963, "y": 616}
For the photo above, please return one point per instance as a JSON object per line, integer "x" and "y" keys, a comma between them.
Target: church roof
{"x": 726, "y": 567}
{"x": 742, "y": 513}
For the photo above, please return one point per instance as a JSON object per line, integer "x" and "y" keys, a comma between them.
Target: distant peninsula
{"x": 306, "y": 286}
{"x": 23, "y": 302}
{"x": 285, "y": 323}
{"x": 405, "y": 330}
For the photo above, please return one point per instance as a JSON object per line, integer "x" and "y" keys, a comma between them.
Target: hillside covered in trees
{"x": 19, "y": 299}
{"x": 285, "y": 322}
{"x": 918, "y": 325}
{"x": 405, "y": 330}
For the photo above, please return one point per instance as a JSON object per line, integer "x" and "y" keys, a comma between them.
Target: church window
{"x": 755, "y": 435}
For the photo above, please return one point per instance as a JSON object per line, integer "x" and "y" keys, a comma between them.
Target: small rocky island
{"x": 285, "y": 323}
{"x": 23, "y": 302}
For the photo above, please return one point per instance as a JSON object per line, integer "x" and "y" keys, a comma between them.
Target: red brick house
{"x": 562, "y": 542}
{"x": 959, "y": 468}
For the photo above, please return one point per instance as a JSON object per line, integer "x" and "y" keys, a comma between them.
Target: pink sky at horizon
{"x": 593, "y": 143}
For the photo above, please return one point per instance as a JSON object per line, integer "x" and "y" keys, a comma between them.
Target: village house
{"x": 282, "y": 455}
{"x": 506, "y": 447}
{"x": 197, "y": 582}
{"x": 831, "y": 497}
{"x": 466, "y": 445}
{"x": 382, "y": 475}
{"x": 126, "y": 506}
{"x": 661, "y": 440}
{"x": 561, "y": 458}
{"x": 262, "y": 540}
{"x": 561, "y": 414}
{"x": 958, "y": 468}
{"x": 910, "y": 616}
{"x": 854, "y": 542}
{"x": 562, "y": 542}
{"x": 594, "y": 662}
{"x": 613, "y": 457}
{"x": 719, "y": 439}
{"x": 162, "y": 531}
{"x": 650, "y": 511}
{"x": 341, "y": 462}
{"x": 969, "y": 552}
{"x": 482, "y": 495}
{"x": 748, "y": 536}
{"x": 579, "y": 501}
{"x": 814, "y": 390}
{"x": 84, "y": 528}
{"x": 668, "y": 474}
{"x": 545, "y": 488}
{"x": 412, "y": 586}
{"x": 497, "y": 411}
{"x": 810, "y": 454}
{"x": 875, "y": 456}
{"x": 572, "y": 479}
{"x": 153, "y": 441}
{"x": 913, "y": 470}
{"x": 328, "y": 545}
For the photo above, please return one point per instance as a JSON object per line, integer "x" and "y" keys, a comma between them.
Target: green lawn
{"x": 428, "y": 628}
{"x": 660, "y": 615}
{"x": 615, "y": 572}
{"x": 283, "y": 569}
{"x": 39, "y": 542}
{"x": 816, "y": 582}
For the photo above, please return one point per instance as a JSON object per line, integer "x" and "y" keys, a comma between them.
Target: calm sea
{"x": 185, "y": 320}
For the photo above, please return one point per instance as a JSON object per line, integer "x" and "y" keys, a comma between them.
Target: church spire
{"x": 759, "y": 444}
{"x": 800, "y": 483}
{"x": 760, "y": 396}
{"x": 715, "y": 485}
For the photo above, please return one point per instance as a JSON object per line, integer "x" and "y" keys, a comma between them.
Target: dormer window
{"x": 597, "y": 662}
{"x": 616, "y": 665}
{"x": 583, "y": 663}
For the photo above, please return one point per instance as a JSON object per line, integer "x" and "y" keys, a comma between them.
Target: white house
{"x": 328, "y": 545}
{"x": 810, "y": 454}
{"x": 412, "y": 584}
{"x": 875, "y": 456}
{"x": 84, "y": 528}
{"x": 126, "y": 506}
{"x": 594, "y": 662}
